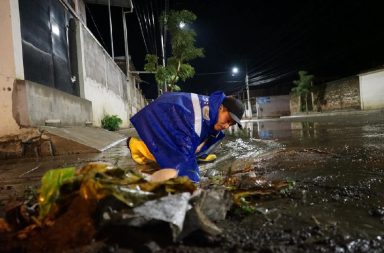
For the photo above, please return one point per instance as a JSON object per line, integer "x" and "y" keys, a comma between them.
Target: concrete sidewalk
{"x": 67, "y": 140}
{"x": 95, "y": 138}
{"x": 335, "y": 113}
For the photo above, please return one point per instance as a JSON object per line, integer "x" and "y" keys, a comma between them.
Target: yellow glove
{"x": 208, "y": 158}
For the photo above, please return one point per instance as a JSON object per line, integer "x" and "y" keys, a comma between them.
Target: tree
{"x": 183, "y": 50}
{"x": 303, "y": 87}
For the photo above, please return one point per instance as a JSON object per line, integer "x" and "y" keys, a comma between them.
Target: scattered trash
{"x": 171, "y": 209}
{"x": 76, "y": 206}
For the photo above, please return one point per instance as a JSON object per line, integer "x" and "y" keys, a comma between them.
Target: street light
{"x": 248, "y": 112}
{"x": 181, "y": 24}
{"x": 235, "y": 71}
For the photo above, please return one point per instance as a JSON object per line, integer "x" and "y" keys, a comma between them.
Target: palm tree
{"x": 303, "y": 87}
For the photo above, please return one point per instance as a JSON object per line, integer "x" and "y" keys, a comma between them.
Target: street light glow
{"x": 235, "y": 70}
{"x": 181, "y": 24}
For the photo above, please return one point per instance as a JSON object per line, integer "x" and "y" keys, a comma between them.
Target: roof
{"x": 372, "y": 71}
{"x": 118, "y": 3}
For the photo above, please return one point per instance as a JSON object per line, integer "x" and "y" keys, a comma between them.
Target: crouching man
{"x": 178, "y": 129}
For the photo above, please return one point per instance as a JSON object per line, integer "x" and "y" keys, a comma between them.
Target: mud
{"x": 336, "y": 204}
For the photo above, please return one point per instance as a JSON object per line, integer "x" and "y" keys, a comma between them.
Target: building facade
{"x": 364, "y": 91}
{"x": 52, "y": 69}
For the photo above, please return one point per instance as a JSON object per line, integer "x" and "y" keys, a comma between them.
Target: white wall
{"x": 11, "y": 63}
{"x": 46, "y": 103}
{"x": 104, "y": 101}
{"x": 372, "y": 90}
{"x": 103, "y": 83}
{"x": 272, "y": 106}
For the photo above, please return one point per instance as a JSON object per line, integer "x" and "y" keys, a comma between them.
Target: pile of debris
{"x": 98, "y": 205}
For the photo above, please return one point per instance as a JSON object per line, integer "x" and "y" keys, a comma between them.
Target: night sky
{"x": 273, "y": 40}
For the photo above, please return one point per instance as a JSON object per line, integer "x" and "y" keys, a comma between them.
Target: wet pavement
{"x": 336, "y": 204}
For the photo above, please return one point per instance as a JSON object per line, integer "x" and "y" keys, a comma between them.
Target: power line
{"x": 151, "y": 26}
{"x": 147, "y": 17}
{"x": 94, "y": 23}
{"x": 146, "y": 25}
{"x": 154, "y": 28}
{"x": 141, "y": 26}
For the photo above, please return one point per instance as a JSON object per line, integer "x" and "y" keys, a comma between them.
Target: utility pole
{"x": 110, "y": 28}
{"x": 164, "y": 39}
{"x": 126, "y": 49}
{"x": 249, "y": 108}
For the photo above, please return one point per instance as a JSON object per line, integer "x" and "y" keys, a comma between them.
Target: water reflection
{"x": 282, "y": 130}
{"x": 335, "y": 132}
{"x": 266, "y": 130}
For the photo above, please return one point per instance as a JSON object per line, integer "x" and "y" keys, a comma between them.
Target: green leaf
{"x": 303, "y": 87}
{"x": 175, "y": 88}
{"x": 151, "y": 64}
{"x": 182, "y": 47}
{"x": 50, "y": 187}
{"x": 186, "y": 71}
{"x": 111, "y": 123}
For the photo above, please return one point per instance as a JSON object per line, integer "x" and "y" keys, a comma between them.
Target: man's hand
{"x": 200, "y": 146}
{"x": 163, "y": 175}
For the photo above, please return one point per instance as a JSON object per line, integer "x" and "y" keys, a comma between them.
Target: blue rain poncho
{"x": 174, "y": 125}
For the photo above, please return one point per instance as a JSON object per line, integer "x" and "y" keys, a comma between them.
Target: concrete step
{"x": 92, "y": 138}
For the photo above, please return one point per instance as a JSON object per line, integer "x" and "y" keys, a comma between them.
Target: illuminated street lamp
{"x": 181, "y": 24}
{"x": 248, "y": 112}
{"x": 235, "y": 71}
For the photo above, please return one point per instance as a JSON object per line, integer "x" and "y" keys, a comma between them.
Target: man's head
{"x": 230, "y": 113}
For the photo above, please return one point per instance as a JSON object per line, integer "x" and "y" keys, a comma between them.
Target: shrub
{"x": 111, "y": 123}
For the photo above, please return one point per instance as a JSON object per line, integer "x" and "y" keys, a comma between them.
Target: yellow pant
{"x": 139, "y": 151}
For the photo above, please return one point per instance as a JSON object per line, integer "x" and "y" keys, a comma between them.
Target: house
{"x": 52, "y": 68}
{"x": 371, "y": 84}
{"x": 364, "y": 91}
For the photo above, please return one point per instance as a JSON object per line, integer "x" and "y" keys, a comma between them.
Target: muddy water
{"x": 337, "y": 204}
{"x": 19, "y": 175}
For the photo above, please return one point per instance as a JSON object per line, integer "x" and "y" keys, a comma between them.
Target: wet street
{"x": 337, "y": 203}
{"x": 335, "y": 163}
